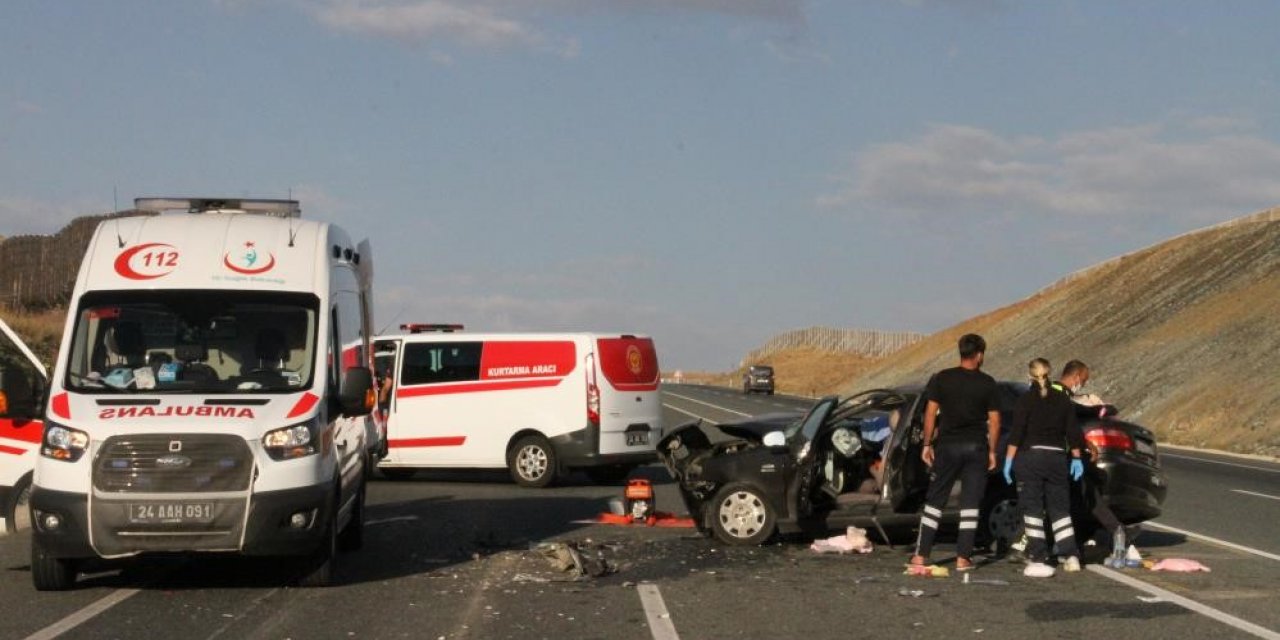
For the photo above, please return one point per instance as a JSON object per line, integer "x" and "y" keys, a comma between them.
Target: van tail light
{"x": 593, "y": 393}
{"x": 1106, "y": 438}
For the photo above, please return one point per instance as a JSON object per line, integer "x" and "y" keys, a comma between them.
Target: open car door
{"x": 906, "y": 474}
{"x": 23, "y": 381}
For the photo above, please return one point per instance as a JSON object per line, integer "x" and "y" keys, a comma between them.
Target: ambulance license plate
{"x": 635, "y": 438}
{"x": 171, "y": 512}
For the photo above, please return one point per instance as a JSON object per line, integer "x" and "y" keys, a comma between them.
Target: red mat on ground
{"x": 658, "y": 519}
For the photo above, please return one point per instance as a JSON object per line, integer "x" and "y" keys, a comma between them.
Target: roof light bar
{"x": 415, "y": 327}
{"x": 274, "y": 208}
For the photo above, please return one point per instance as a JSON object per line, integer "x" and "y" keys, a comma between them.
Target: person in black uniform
{"x": 1044, "y": 422}
{"x": 960, "y": 445}
{"x": 1075, "y": 374}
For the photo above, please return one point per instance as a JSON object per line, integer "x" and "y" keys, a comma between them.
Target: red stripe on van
{"x": 502, "y": 360}
{"x": 450, "y": 441}
{"x": 11, "y": 450}
{"x": 473, "y": 387}
{"x": 28, "y": 431}
{"x": 305, "y": 403}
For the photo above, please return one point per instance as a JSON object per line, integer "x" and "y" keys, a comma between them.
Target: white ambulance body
{"x": 22, "y": 383}
{"x": 538, "y": 404}
{"x": 201, "y": 401}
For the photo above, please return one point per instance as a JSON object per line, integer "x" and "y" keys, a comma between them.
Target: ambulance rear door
{"x": 630, "y": 400}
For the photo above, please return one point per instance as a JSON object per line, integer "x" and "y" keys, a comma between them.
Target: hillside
{"x": 1180, "y": 336}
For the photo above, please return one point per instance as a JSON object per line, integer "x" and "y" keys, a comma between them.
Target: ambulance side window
{"x": 437, "y": 362}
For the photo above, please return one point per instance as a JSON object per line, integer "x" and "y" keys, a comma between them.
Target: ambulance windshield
{"x": 190, "y": 341}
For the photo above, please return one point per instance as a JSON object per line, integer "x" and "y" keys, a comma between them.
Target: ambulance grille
{"x": 172, "y": 463}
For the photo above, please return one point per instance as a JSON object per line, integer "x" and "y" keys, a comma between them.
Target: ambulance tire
{"x": 49, "y": 573}
{"x": 352, "y": 536}
{"x": 318, "y": 567}
{"x": 742, "y": 515}
{"x": 532, "y": 462}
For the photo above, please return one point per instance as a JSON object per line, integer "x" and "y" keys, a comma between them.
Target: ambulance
{"x": 538, "y": 404}
{"x": 202, "y": 400}
{"x": 22, "y": 384}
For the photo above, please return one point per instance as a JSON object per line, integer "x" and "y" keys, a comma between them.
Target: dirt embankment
{"x": 1181, "y": 336}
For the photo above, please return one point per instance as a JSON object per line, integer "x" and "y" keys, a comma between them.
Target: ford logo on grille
{"x": 173, "y": 462}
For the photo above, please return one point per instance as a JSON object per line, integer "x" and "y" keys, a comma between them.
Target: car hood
{"x": 690, "y": 442}
{"x": 757, "y": 427}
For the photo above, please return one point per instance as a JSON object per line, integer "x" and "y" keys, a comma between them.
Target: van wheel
{"x": 394, "y": 473}
{"x": 742, "y": 516}
{"x": 319, "y": 565}
{"x": 352, "y": 536}
{"x": 17, "y": 514}
{"x": 532, "y": 462}
{"x": 49, "y": 573}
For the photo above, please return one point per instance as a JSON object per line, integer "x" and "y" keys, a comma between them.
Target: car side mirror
{"x": 356, "y": 397}
{"x": 775, "y": 439}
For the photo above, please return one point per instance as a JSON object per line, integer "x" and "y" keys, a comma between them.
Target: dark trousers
{"x": 1044, "y": 484}
{"x": 966, "y": 461}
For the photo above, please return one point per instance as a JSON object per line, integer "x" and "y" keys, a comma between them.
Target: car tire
{"x": 17, "y": 514}
{"x": 49, "y": 573}
{"x": 532, "y": 462}
{"x": 1002, "y": 523}
{"x": 397, "y": 473}
{"x": 741, "y": 515}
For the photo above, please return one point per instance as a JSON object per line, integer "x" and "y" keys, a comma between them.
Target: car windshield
{"x": 193, "y": 341}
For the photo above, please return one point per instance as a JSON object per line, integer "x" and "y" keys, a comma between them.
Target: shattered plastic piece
{"x": 988, "y": 581}
{"x": 1151, "y": 599}
{"x": 1179, "y": 564}
{"x": 928, "y": 571}
{"x": 915, "y": 593}
{"x": 526, "y": 577}
{"x": 854, "y": 540}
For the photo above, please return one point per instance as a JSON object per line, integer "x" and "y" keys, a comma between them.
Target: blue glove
{"x": 1077, "y": 469}
{"x": 1008, "y": 470}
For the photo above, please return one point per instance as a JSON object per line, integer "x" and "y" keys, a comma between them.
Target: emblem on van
{"x": 249, "y": 261}
{"x": 173, "y": 462}
{"x": 634, "y": 361}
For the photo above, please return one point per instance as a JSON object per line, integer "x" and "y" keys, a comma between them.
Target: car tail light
{"x": 593, "y": 393}
{"x": 1106, "y": 438}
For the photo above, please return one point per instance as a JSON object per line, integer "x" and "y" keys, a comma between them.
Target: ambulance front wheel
{"x": 532, "y": 461}
{"x": 49, "y": 573}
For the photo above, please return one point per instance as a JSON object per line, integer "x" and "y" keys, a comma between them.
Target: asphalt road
{"x": 447, "y": 555}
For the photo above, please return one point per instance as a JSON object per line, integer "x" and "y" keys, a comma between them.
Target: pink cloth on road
{"x": 1179, "y": 564}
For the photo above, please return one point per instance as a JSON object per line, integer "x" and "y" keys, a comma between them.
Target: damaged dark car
{"x": 857, "y": 462}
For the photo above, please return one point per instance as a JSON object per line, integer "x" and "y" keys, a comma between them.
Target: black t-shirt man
{"x": 965, "y": 399}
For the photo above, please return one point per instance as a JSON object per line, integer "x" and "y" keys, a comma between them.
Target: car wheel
{"x": 532, "y": 462}
{"x": 397, "y": 473}
{"x": 17, "y": 514}
{"x": 49, "y": 573}
{"x": 741, "y": 515}
{"x": 1004, "y": 522}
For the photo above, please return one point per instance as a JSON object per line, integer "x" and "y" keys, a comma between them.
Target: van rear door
{"x": 630, "y": 402}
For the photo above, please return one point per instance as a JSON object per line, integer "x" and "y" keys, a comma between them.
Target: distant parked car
{"x": 857, "y": 462}
{"x": 758, "y": 378}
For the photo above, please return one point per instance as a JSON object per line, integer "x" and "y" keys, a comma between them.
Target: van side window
{"x": 436, "y": 362}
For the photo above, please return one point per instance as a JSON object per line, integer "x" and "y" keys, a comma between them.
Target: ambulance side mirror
{"x": 356, "y": 395}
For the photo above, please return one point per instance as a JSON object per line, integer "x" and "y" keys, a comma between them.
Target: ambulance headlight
{"x": 63, "y": 443}
{"x": 291, "y": 442}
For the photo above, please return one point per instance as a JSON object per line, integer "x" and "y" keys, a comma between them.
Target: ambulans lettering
{"x": 115, "y": 413}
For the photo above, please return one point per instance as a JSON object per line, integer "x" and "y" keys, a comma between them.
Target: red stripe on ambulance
{"x": 450, "y": 441}
{"x": 28, "y": 431}
{"x": 4, "y": 448}
{"x": 504, "y": 360}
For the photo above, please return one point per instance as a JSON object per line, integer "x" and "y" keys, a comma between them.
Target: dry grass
{"x": 42, "y": 331}
{"x": 800, "y": 371}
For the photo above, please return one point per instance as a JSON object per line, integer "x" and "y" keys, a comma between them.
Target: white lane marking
{"x": 1186, "y": 603}
{"x": 655, "y": 610}
{"x": 1255, "y": 493}
{"x": 240, "y": 616}
{"x": 84, "y": 615}
{"x": 713, "y": 406}
{"x": 1218, "y": 541}
{"x": 386, "y": 520}
{"x": 1165, "y": 454}
{"x": 691, "y": 415}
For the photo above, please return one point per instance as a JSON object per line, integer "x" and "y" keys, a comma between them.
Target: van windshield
{"x": 193, "y": 341}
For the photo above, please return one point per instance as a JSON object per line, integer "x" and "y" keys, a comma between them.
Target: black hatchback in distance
{"x": 758, "y": 378}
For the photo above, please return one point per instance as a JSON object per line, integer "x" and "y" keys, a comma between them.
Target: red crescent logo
{"x": 634, "y": 361}
{"x": 167, "y": 261}
{"x": 226, "y": 260}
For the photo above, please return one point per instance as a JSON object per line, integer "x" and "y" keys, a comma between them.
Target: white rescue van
{"x": 538, "y": 404}
{"x": 22, "y": 383}
{"x": 202, "y": 400}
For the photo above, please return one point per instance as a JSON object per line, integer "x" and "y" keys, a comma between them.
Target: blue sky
{"x": 711, "y": 172}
